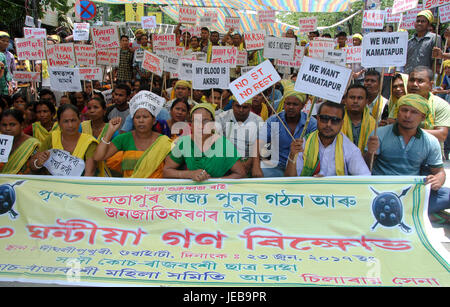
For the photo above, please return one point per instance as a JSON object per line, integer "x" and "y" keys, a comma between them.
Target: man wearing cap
{"x": 182, "y": 90}
{"x": 405, "y": 149}
{"x": 420, "y": 46}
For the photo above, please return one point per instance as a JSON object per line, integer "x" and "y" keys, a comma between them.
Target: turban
{"x": 183, "y": 83}
{"x": 415, "y": 101}
{"x": 207, "y": 106}
{"x": 289, "y": 91}
{"x": 446, "y": 63}
{"x": 358, "y": 36}
{"x": 427, "y": 14}
{"x": 139, "y": 31}
{"x": 2, "y": 34}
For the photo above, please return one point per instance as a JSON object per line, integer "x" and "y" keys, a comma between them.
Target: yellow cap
{"x": 3, "y": 33}
{"x": 415, "y": 101}
{"x": 427, "y": 14}
{"x": 207, "y": 106}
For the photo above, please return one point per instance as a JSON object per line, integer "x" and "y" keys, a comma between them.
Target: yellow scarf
{"x": 152, "y": 158}
{"x": 102, "y": 169}
{"x": 82, "y": 145}
{"x": 20, "y": 156}
{"x": 392, "y": 103}
{"x": 378, "y": 108}
{"x": 40, "y": 133}
{"x": 311, "y": 160}
{"x": 367, "y": 126}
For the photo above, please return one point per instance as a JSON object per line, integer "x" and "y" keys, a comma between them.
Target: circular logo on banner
{"x": 87, "y": 9}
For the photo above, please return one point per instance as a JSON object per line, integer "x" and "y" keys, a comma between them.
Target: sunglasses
{"x": 324, "y": 119}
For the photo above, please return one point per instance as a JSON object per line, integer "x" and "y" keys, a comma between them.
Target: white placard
{"x": 105, "y": 37}
{"x": 26, "y": 76}
{"x": 148, "y": 22}
{"x": 307, "y": 24}
{"x": 400, "y": 6}
{"x": 29, "y": 22}
{"x": 81, "y": 31}
{"x": 61, "y": 55}
{"x": 281, "y": 48}
{"x": 429, "y": 4}
{"x": 354, "y": 54}
{"x": 62, "y": 163}
{"x": 392, "y": 18}
{"x": 30, "y": 48}
{"x": 207, "y": 76}
{"x": 163, "y": 40}
{"x": 337, "y": 57}
{"x": 298, "y": 57}
{"x": 205, "y": 21}
{"x": 187, "y": 14}
{"x": 147, "y": 100}
{"x": 185, "y": 69}
{"x": 108, "y": 57}
{"x": 64, "y": 79}
{"x": 85, "y": 55}
{"x": 232, "y": 23}
{"x": 254, "y": 40}
{"x": 444, "y": 13}
{"x": 254, "y": 82}
{"x": 322, "y": 79}
{"x": 246, "y": 69}
{"x": 34, "y": 32}
{"x": 6, "y": 142}
{"x": 373, "y": 19}
{"x": 409, "y": 19}
{"x": 170, "y": 62}
{"x": 241, "y": 58}
{"x": 384, "y": 49}
{"x": 224, "y": 55}
{"x": 213, "y": 15}
{"x": 91, "y": 73}
{"x": 317, "y": 47}
{"x": 265, "y": 17}
{"x": 153, "y": 63}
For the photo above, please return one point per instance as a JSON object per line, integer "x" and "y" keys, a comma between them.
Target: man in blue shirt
{"x": 275, "y": 133}
{"x": 403, "y": 148}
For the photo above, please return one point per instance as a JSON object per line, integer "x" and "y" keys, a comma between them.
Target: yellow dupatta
{"x": 86, "y": 127}
{"x": 367, "y": 126}
{"x": 40, "y": 133}
{"x": 392, "y": 103}
{"x": 378, "y": 107}
{"x": 82, "y": 145}
{"x": 152, "y": 158}
{"x": 20, "y": 156}
{"x": 311, "y": 161}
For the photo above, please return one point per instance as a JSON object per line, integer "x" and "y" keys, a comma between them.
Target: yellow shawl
{"x": 152, "y": 158}
{"x": 20, "y": 156}
{"x": 392, "y": 103}
{"x": 367, "y": 126}
{"x": 102, "y": 169}
{"x": 40, "y": 133}
{"x": 82, "y": 145}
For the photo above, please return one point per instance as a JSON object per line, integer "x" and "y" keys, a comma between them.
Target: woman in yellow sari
{"x": 68, "y": 138}
{"x": 144, "y": 150}
{"x": 24, "y": 146}
{"x": 398, "y": 89}
{"x": 45, "y": 112}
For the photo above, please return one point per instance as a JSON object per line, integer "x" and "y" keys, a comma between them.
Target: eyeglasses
{"x": 324, "y": 119}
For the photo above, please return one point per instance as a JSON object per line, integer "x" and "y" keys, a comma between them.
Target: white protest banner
{"x": 224, "y": 55}
{"x": 384, "y": 49}
{"x": 241, "y": 58}
{"x": 194, "y": 31}
{"x": 85, "y": 55}
{"x": 105, "y": 37}
{"x": 307, "y": 24}
{"x": 29, "y": 21}
{"x": 429, "y": 4}
{"x": 108, "y": 96}
{"x": 170, "y": 62}
{"x": 148, "y": 22}
{"x": 444, "y": 13}
{"x": 91, "y": 73}
{"x": 318, "y": 46}
{"x": 153, "y": 63}
{"x": 139, "y": 54}
{"x": 409, "y": 18}
{"x": 213, "y": 15}
{"x": 81, "y": 31}
{"x": 336, "y": 57}
{"x": 147, "y": 100}
{"x": 392, "y": 18}
{"x": 298, "y": 57}
{"x": 30, "y": 48}
{"x": 400, "y": 6}
{"x": 187, "y": 14}
{"x": 246, "y": 69}
{"x": 34, "y": 32}
{"x": 232, "y": 23}
{"x": 205, "y": 21}
{"x": 354, "y": 54}
{"x": 163, "y": 40}
{"x": 373, "y": 19}
{"x": 61, "y": 55}
{"x": 185, "y": 69}
{"x": 64, "y": 79}
{"x": 254, "y": 40}
{"x": 26, "y": 76}
{"x": 254, "y": 82}
{"x": 62, "y": 163}
{"x": 322, "y": 79}
{"x": 6, "y": 142}
{"x": 266, "y": 17}
{"x": 207, "y": 76}
{"x": 199, "y": 56}
{"x": 108, "y": 57}
{"x": 281, "y": 48}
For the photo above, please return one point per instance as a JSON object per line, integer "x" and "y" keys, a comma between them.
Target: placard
{"x": 108, "y": 57}
{"x": 30, "y": 48}
{"x": 241, "y": 58}
{"x": 187, "y": 14}
{"x": 254, "y": 40}
{"x": 384, "y": 49}
{"x": 62, "y": 163}
{"x": 232, "y": 23}
{"x": 91, "y": 73}
{"x": 6, "y": 142}
{"x": 185, "y": 69}
{"x": 254, "y": 82}
{"x": 354, "y": 54}
{"x": 26, "y": 76}
{"x": 317, "y": 47}
{"x": 207, "y": 76}
{"x": 61, "y": 55}
{"x": 392, "y": 18}
{"x": 281, "y": 48}
{"x": 170, "y": 61}
{"x": 429, "y": 4}
{"x": 224, "y": 55}
{"x": 400, "y": 6}
{"x": 213, "y": 15}
{"x": 322, "y": 79}
{"x": 105, "y": 37}
{"x": 337, "y": 57}
{"x": 148, "y": 22}
{"x": 153, "y": 63}
{"x": 85, "y": 55}
{"x": 298, "y": 57}
{"x": 307, "y": 24}
{"x": 35, "y": 32}
{"x": 409, "y": 19}
{"x": 266, "y": 17}
{"x": 81, "y": 31}
{"x": 373, "y": 19}
{"x": 205, "y": 21}
{"x": 163, "y": 41}
{"x": 444, "y": 13}
{"x": 64, "y": 79}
